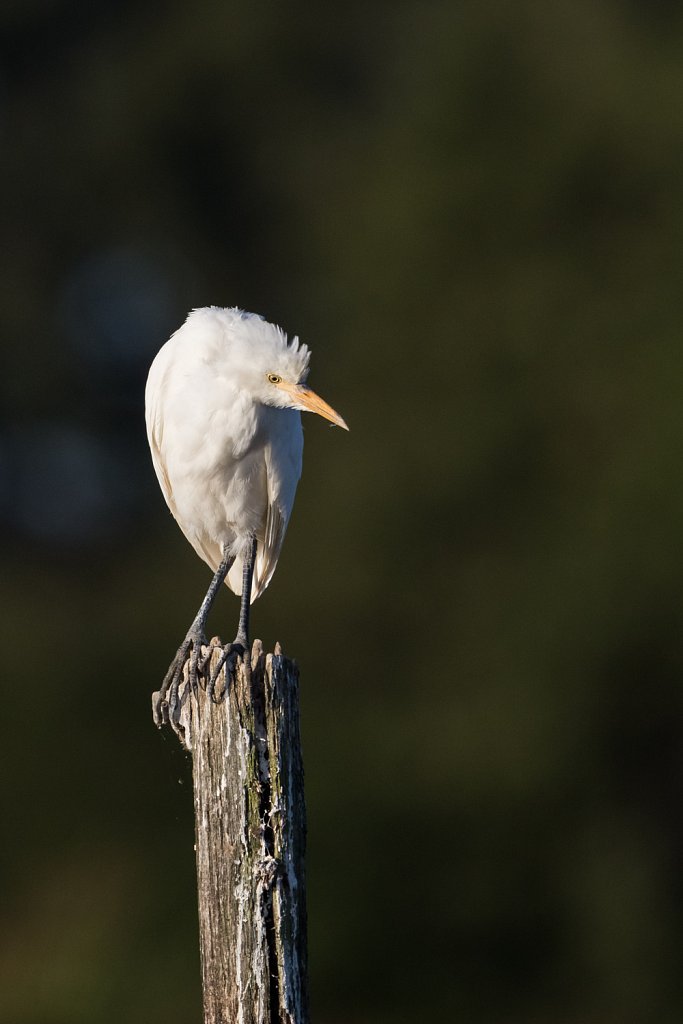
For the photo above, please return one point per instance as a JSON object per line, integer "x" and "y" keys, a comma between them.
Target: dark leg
{"x": 242, "y": 638}
{"x": 240, "y": 644}
{"x": 190, "y": 649}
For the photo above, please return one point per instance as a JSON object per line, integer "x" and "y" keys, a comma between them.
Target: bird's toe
{"x": 224, "y": 667}
{"x": 169, "y": 699}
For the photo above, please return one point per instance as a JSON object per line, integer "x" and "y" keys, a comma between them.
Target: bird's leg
{"x": 242, "y": 638}
{"x": 190, "y": 649}
{"x": 240, "y": 644}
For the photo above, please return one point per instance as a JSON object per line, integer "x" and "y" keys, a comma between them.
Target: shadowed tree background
{"x": 473, "y": 213}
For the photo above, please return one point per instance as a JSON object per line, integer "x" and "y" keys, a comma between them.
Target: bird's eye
{"x": 274, "y": 379}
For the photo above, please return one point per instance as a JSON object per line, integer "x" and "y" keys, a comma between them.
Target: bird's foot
{"x": 229, "y": 657}
{"x": 167, "y": 701}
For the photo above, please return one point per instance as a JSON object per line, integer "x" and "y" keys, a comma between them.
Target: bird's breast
{"x": 217, "y": 467}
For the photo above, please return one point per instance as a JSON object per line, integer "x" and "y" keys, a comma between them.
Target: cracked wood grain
{"x": 250, "y": 825}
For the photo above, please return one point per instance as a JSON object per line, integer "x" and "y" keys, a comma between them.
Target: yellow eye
{"x": 274, "y": 379}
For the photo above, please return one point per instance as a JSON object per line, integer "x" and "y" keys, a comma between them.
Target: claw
{"x": 167, "y": 702}
{"x": 228, "y": 658}
{"x": 196, "y": 653}
{"x": 205, "y": 660}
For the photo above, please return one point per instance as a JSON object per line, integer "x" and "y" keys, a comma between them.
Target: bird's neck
{"x": 246, "y": 422}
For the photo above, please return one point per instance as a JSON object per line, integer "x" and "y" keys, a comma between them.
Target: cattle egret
{"x": 222, "y": 406}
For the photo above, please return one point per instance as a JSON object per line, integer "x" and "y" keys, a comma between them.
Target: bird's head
{"x": 275, "y": 369}
{"x": 286, "y": 392}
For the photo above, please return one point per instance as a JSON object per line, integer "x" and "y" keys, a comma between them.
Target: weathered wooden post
{"x": 250, "y": 826}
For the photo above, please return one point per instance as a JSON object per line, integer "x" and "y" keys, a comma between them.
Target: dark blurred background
{"x": 473, "y": 213}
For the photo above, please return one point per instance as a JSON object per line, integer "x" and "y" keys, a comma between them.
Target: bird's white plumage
{"x": 226, "y": 444}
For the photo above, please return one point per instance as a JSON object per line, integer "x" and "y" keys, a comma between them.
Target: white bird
{"x": 222, "y": 406}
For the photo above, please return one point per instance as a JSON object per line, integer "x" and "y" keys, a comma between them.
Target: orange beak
{"x": 308, "y": 400}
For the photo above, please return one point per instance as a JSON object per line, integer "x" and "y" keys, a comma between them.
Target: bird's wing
{"x": 155, "y": 430}
{"x": 283, "y": 469}
{"x": 269, "y": 550}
